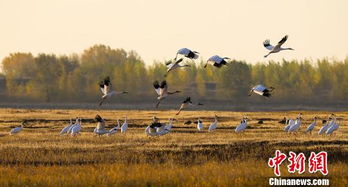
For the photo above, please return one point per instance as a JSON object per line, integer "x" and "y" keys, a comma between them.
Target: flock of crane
{"x": 157, "y": 129}
{"x": 161, "y": 88}
{"x": 329, "y": 126}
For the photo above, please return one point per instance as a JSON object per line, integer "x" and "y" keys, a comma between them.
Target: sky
{"x": 156, "y": 29}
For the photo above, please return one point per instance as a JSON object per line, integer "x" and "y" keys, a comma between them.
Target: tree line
{"x": 75, "y": 78}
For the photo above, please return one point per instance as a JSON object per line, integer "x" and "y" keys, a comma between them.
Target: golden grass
{"x": 236, "y": 173}
{"x": 39, "y": 156}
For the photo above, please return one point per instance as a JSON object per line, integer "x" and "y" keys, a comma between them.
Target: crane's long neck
{"x": 173, "y": 92}
{"x": 288, "y": 48}
{"x": 176, "y": 56}
{"x": 113, "y": 93}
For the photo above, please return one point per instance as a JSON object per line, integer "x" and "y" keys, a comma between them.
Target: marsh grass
{"x": 39, "y": 156}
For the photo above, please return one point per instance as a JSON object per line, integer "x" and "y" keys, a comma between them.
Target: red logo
{"x": 296, "y": 163}
{"x": 316, "y": 162}
{"x": 276, "y": 161}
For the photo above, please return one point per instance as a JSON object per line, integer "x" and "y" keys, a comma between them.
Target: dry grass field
{"x": 39, "y": 156}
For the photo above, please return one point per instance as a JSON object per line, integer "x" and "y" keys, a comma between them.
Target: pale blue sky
{"x": 156, "y": 29}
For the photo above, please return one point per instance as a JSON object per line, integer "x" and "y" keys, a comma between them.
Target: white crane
{"x": 165, "y": 128}
{"x": 312, "y": 125}
{"x": 187, "y": 102}
{"x": 105, "y": 87}
{"x": 169, "y": 126}
{"x": 329, "y": 122}
{"x": 152, "y": 128}
{"x": 295, "y": 126}
{"x": 172, "y": 66}
{"x": 115, "y": 129}
{"x": 158, "y": 129}
{"x": 242, "y": 126}
{"x": 277, "y": 48}
{"x": 324, "y": 128}
{"x": 124, "y": 126}
{"x": 261, "y": 90}
{"x": 187, "y": 53}
{"x": 290, "y": 123}
{"x": 152, "y": 131}
{"x": 66, "y": 128}
{"x": 332, "y": 128}
{"x": 76, "y": 129}
{"x": 217, "y": 61}
{"x": 214, "y": 125}
{"x": 100, "y": 129}
{"x": 199, "y": 125}
{"x": 18, "y": 129}
{"x": 162, "y": 91}
{"x": 72, "y": 126}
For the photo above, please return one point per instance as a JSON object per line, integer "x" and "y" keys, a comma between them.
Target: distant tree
{"x": 45, "y": 83}
{"x": 48, "y": 77}
{"x": 201, "y": 89}
{"x": 18, "y": 68}
{"x": 324, "y": 86}
{"x": 98, "y": 62}
{"x": 234, "y": 80}
{"x": 68, "y": 66}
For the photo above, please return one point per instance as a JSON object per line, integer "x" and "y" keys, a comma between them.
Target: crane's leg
{"x": 179, "y": 111}
{"x": 158, "y": 103}
{"x": 101, "y": 101}
{"x": 267, "y": 54}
